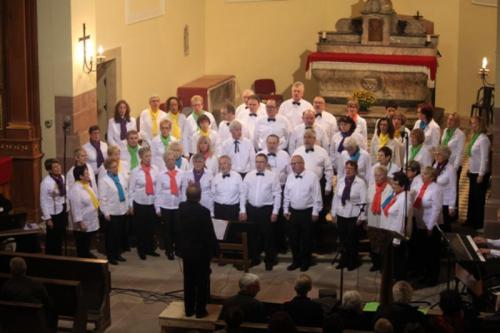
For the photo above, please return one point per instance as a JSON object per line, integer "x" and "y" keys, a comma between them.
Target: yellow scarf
{"x": 91, "y": 193}
{"x": 176, "y": 129}
{"x": 383, "y": 140}
{"x": 205, "y": 134}
{"x": 120, "y": 166}
{"x": 154, "y": 124}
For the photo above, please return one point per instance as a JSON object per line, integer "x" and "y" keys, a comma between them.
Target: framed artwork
{"x": 142, "y": 10}
{"x": 490, "y": 3}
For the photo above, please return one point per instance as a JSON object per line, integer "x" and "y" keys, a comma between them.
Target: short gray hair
{"x": 352, "y": 300}
{"x": 235, "y": 124}
{"x": 444, "y": 150}
{"x": 198, "y": 158}
{"x": 247, "y": 280}
{"x": 402, "y": 292}
{"x": 350, "y": 142}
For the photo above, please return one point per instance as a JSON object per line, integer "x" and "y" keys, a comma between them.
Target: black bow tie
{"x": 271, "y": 119}
{"x": 253, "y": 114}
{"x": 298, "y": 176}
{"x": 246, "y": 107}
{"x": 227, "y": 124}
{"x": 318, "y": 115}
{"x": 308, "y": 127}
{"x": 271, "y": 154}
{"x": 226, "y": 175}
{"x": 260, "y": 174}
{"x": 309, "y": 150}
{"x": 296, "y": 103}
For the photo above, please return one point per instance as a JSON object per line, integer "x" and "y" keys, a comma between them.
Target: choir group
{"x": 272, "y": 164}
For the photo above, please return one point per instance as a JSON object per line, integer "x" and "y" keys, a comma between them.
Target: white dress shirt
{"x": 393, "y": 144}
{"x": 430, "y": 214}
{"x": 334, "y": 147}
{"x": 193, "y": 141}
{"x": 92, "y": 155}
{"x": 448, "y": 182}
{"x": 293, "y": 112}
{"x": 432, "y": 133}
{"x": 242, "y": 107}
{"x": 456, "y": 145}
{"x": 242, "y": 158}
{"x": 261, "y": 190}
{"x": 163, "y": 195}
{"x": 423, "y": 157}
{"x": 125, "y": 155}
{"x": 109, "y": 200}
{"x": 362, "y": 129}
{"x": 158, "y": 151}
{"x": 123, "y": 171}
{"x": 318, "y": 162}
{"x": 302, "y": 192}
{"x": 146, "y": 124}
{"x": 494, "y": 245}
{"x": 279, "y": 163}
{"x": 414, "y": 186}
{"x": 297, "y": 137}
{"x": 328, "y": 123}
{"x": 181, "y": 119}
{"x": 224, "y": 133}
{"x": 364, "y": 165}
{"x": 250, "y": 120}
{"x": 113, "y": 134}
{"x": 51, "y": 201}
{"x": 355, "y": 206}
{"x": 70, "y": 179}
{"x": 265, "y": 127}
{"x": 227, "y": 190}
{"x": 395, "y": 219}
{"x": 82, "y": 208}
{"x": 480, "y": 156}
{"x": 374, "y": 220}
{"x": 192, "y": 126}
{"x": 207, "y": 198}
{"x": 391, "y": 169}
{"x": 137, "y": 186}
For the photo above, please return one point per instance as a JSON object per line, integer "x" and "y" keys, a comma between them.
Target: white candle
{"x": 485, "y": 63}
{"x": 428, "y": 38}
{"x": 323, "y": 35}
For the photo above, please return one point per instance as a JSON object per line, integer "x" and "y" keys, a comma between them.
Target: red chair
{"x": 265, "y": 89}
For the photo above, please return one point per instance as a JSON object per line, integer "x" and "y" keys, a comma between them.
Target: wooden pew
{"x": 17, "y": 317}
{"x": 93, "y": 275}
{"x": 67, "y": 297}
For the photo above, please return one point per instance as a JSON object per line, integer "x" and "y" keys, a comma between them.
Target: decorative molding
{"x": 142, "y": 10}
{"x": 489, "y": 3}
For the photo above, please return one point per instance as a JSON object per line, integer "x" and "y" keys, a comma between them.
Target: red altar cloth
{"x": 427, "y": 61}
{"x": 5, "y": 169}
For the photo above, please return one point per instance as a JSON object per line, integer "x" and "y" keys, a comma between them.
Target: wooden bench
{"x": 17, "y": 317}
{"x": 174, "y": 317}
{"x": 67, "y": 298}
{"x": 93, "y": 275}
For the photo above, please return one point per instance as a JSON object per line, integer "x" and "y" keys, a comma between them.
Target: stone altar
{"x": 394, "y": 56}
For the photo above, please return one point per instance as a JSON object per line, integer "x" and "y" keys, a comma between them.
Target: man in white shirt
{"x": 250, "y": 116}
{"x": 247, "y": 93}
{"x": 272, "y": 123}
{"x": 226, "y": 190}
{"x": 131, "y": 152}
{"x": 97, "y": 150}
{"x": 301, "y": 207}
{"x": 324, "y": 119}
{"x": 228, "y": 115}
{"x": 292, "y": 108}
{"x": 260, "y": 203}
{"x": 149, "y": 120}
{"x": 278, "y": 159}
{"x": 239, "y": 149}
{"x": 297, "y": 136}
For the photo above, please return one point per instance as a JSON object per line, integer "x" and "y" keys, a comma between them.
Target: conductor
{"x": 198, "y": 245}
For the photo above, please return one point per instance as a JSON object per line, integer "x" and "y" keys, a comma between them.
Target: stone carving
{"x": 386, "y": 7}
{"x": 371, "y": 6}
{"x": 371, "y": 83}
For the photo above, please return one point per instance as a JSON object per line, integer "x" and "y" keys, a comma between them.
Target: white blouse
{"x": 137, "y": 186}
{"x": 163, "y": 195}
{"x": 51, "y": 201}
{"x": 113, "y": 134}
{"x": 374, "y": 220}
{"x": 456, "y": 145}
{"x": 364, "y": 165}
{"x": 430, "y": 214}
{"x": 109, "y": 200}
{"x": 480, "y": 156}
{"x": 355, "y": 205}
{"x": 146, "y": 124}
{"x": 448, "y": 182}
{"x": 393, "y": 144}
{"x": 82, "y": 208}
{"x": 158, "y": 151}
{"x": 92, "y": 155}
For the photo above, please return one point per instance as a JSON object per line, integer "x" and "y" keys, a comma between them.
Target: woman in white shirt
{"x": 180, "y": 161}
{"x": 84, "y": 210}
{"x": 401, "y": 134}
{"x": 170, "y": 191}
{"x": 426, "y": 123}
{"x": 203, "y": 130}
{"x": 203, "y": 177}
{"x": 428, "y": 215}
{"x": 120, "y": 124}
{"x": 347, "y": 128}
{"x": 161, "y": 143}
{"x": 353, "y": 152}
{"x": 205, "y": 148}
{"x": 384, "y": 137}
{"x": 361, "y": 128}
{"x": 347, "y": 210}
{"x": 447, "y": 179}
{"x": 114, "y": 154}
{"x": 478, "y": 150}
{"x": 142, "y": 191}
{"x": 53, "y": 206}
{"x": 178, "y": 120}
{"x": 418, "y": 151}
{"x": 114, "y": 208}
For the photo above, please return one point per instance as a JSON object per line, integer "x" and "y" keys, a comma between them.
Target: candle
{"x": 485, "y": 63}
{"x": 100, "y": 50}
{"x": 428, "y": 38}
{"x": 323, "y": 35}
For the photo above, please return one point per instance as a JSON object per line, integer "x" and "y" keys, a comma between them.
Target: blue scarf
{"x": 119, "y": 186}
{"x": 178, "y": 162}
{"x": 422, "y": 125}
{"x": 387, "y": 200}
{"x": 356, "y": 155}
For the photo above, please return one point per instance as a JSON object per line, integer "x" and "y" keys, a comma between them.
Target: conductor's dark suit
{"x": 198, "y": 245}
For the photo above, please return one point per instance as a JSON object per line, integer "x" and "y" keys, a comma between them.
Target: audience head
{"x": 383, "y": 325}
{"x": 122, "y": 111}
{"x": 145, "y": 155}
{"x": 225, "y": 164}
{"x": 114, "y": 152}
{"x": 81, "y": 173}
{"x": 413, "y": 169}
{"x": 352, "y": 301}
{"x": 346, "y": 124}
{"x": 400, "y": 182}
{"x": 177, "y": 148}
{"x": 272, "y": 143}
{"x": 308, "y": 117}
{"x": 297, "y": 91}
{"x": 249, "y": 284}
{"x": 429, "y": 174}
{"x": 227, "y": 112}
{"x": 303, "y": 285}
{"x": 319, "y": 104}
{"x": 281, "y": 322}
{"x": 253, "y": 103}
{"x": 173, "y": 104}
{"x": 351, "y": 168}
{"x": 193, "y": 192}
{"x": 442, "y": 154}
{"x": 414, "y": 328}
{"x": 154, "y": 102}
{"x": 402, "y": 292}
{"x": 197, "y": 103}
{"x": 417, "y": 137}
{"x": 169, "y": 158}
{"x": 17, "y": 267}
{"x": 384, "y": 155}
{"x": 94, "y": 133}
{"x": 390, "y": 109}
{"x": 309, "y": 138}
{"x": 165, "y": 127}
{"x": 352, "y": 107}
{"x": 351, "y": 145}
{"x": 198, "y": 161}
{"x": 333, "y": 324}
{"x": 132, "y": 138}
{"x": 478, "y": 124}
{"x": 453, "y": 120}
{"x": 111, "y": 165}
{"x": 235, "y": 129}
{"x": 380, "y": 175}
{"x": 53, "y": 166}
{"x": 425, "y": 112}
{"x": 260, "y": 162}
{"x": 203, "y": 122}
{"x": 384, "y": 126}
{"x": 450, "y": 303}
{"x": 233, "y": 316}
{"x": 80, "y": 155}
{"x": 297, "y": 163}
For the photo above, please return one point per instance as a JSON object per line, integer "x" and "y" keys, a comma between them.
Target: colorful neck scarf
{"x": 165, "y": 140}
{"x": 123, "y": 128}
{"x": 149, "y": 180}
{"x": 60, "y": 184}
{"x": 91, "y": 194}
{"x": 422, "y": 125}
{"x": 471, "y": 143}
{"x": 154, "y": 121}
{"x": 99, "y": 155}
{"x": 344, "y": 136}
{"x": 383, "y": 140}
{"x": 174, "y": 189}
{"x": 356, "y": 155}
{"x": 377, "y": 199}
{"x": 119, "y": 187}
{"x": 420, "y": 196}
{"x": 134, "y": 157}
{"x": 388, "y": 202}
{"x": 197, "y": 175}
{"x": 414, "y": 150}
{"x": 178, "y": 162}
{"x": 346, "y": 193}
{"x": 205, "y": 133}
{"x": 176, "y": 128}
{"x": 448, "y": 134}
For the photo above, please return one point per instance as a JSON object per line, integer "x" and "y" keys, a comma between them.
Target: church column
{"x": 492, "y": 208}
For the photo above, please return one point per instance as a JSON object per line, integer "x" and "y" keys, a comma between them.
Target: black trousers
{"x": 400, "y": 259}
{"x": 349, "y": 241}
{"x": 227, "y": 212}
{"x": 279, "y": 230}
{"x": 261, "y": 216}
{"x": 114, "y": 235}
{"x": 459, "y": 172}
{"x": 125, "y": 234}
{"x": 196, "y": 284}
{"x": 169, "y": 227}
{"x": 477, "y": 199}
{"x": 83, "y": 240}
{"x": 428, "y": 253}
{"x": 55, "y": 235}
{"x": 300, "y": 235}
{"x": 145, "y": 221}
{"x": 447, "y": 219}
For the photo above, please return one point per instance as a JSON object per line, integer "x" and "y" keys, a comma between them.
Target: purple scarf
{"x": 344, "y": 136}
{"x": 100, "y": 156}
{"x": 198, "y": 175}
{"x": 123, "y": 128}
{"x": 346, "y": 194}
{"x": 60, "y": 184}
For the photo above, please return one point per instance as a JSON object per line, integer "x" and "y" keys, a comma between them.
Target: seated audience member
{"x": 20, "y": 288}
{"x": 253, "y": 309}
{"x": 233, "y": 320}
{"x": 281, "y": 322}
{"x": 414, "y": 328}
{"x": 351, "y": 312}
{"x": 333, "y": 324}
{"x": 383, "y": 326}
{"x": 453, "y": 319}
{"x": 301, "y": 308}
{"x": 400, "y": 312}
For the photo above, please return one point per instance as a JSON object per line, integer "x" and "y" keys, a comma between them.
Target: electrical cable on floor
{"x": 147, "y": 296}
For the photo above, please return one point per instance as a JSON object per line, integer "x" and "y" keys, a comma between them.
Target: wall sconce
{"x": 88, "y": 61}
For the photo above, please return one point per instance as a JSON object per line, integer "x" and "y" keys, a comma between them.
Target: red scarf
{"x": 149, "y": 180}
{"x": 418, "y": 200}
{"x": 173, "y": 182}
{"x": 377, "y": 199}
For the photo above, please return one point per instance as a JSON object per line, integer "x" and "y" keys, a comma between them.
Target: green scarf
{"x": 166, "y": 141}
{"x": 195, "y": 117}
{"x": 471, "y": 143}
{"x": 134, "y": 161}
{"x": 414, "y": 151}
{"x": 447, "y": 135}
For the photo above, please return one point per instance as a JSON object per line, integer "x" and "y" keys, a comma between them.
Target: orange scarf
{"x": 418, "y": 200}
{"x": 149, "y": 180}
{"x": 377, "y": 199}
{"x": 173, "y": 182}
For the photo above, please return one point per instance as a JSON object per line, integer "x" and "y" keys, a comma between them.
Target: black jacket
{"x": 304, "y": 312}
{"x": 253, "y": 310}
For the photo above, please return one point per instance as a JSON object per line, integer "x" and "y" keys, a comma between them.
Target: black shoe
{"x": 292, "y": 267}
{"x": 189, "y": 313}
{"x": 304, "y": 268}
{"x": 113, "y": 262}
{"x": 340, "y": 266}
{"x": 269, "y": 266}
{"x": 153, "y": 254}
{"x": 142, "y": 256}
{"x": 170, "y": 256}
{"x": 374, "y": 268}
{"x": 201, "y": 314}
{"x": 120, "y": 258}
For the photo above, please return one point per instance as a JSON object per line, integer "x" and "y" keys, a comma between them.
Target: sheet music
{"x": 220, "y": 227}
{"x": 474, "y": 246}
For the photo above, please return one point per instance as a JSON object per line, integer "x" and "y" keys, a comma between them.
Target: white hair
{"x": 350, "y": 142}
{"x": 247, "y": 280}
{"x": 235, "y": 124}
{"x": 352, "y": 300}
